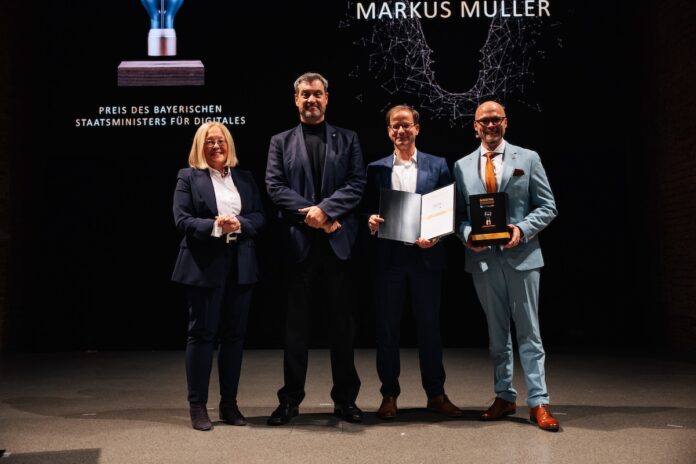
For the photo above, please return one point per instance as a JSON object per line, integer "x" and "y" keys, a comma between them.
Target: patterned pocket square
{"x": 517, "y": 173}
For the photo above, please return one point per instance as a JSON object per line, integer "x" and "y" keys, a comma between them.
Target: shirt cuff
{"x": 217, "y": 230}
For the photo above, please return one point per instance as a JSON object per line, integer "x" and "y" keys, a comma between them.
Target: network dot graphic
{"x": 401, "y": 59}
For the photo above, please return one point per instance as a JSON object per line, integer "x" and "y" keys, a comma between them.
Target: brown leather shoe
{"x": 499, "y": 408}
{"x": 541, "y": 416}
{"x": 442, "y": 405}
{"x": 388, "y": 408}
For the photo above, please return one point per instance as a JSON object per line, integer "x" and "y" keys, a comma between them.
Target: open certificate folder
{"x": 410, "y": 216}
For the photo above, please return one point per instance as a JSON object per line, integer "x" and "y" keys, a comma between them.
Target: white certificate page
{"x": 437, "y": 212}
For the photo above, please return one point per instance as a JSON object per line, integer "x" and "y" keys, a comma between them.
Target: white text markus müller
{"x": 447, "y": 9}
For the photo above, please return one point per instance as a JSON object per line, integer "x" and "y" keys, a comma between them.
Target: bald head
{"x": 490, "y": 123}
{"x": 488, "y": 107}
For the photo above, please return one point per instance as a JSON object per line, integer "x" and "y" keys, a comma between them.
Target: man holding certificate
{"x": 404, "y": 267}
{"x": 506, "y": 277}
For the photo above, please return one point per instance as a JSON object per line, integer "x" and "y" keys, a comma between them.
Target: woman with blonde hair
{"x": 218, "y": 209}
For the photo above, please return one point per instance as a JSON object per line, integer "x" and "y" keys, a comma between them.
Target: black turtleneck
{"x": 315, "y": 141}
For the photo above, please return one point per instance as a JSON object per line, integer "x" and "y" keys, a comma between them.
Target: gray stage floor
{"x": 110, "y": 408}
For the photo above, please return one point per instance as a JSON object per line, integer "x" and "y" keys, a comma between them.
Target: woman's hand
{"x": 228, "y": 223}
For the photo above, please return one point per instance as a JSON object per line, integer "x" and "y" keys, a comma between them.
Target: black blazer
{"x": 202, "y": 261}
{"x": 290, "y": 185}
{"x": 433, "y": 173}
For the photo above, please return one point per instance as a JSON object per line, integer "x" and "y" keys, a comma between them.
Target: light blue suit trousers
{"x": 507, "y": 281}
{"x": 507, "y": 294}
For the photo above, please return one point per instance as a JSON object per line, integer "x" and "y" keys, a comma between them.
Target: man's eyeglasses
{"x": 404, "y": 126}
{"x": 491, "y": 121}
{"x": 211, "y": 143}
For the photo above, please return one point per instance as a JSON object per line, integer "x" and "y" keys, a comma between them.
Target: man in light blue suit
{"x": 506, "y": 277}
{"x": 402, "y": 268}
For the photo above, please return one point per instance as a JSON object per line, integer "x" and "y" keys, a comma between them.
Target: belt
{"x": 230, "y": 238}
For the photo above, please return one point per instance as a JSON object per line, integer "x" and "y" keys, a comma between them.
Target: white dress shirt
{"x": 405, "y": 173}
{"x": 227, "y": 197}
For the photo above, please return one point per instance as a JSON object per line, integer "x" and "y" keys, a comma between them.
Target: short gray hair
{"x": 310, "y": 77}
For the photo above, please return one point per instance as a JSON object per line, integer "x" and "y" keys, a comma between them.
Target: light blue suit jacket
{"x": 531, "y": 205}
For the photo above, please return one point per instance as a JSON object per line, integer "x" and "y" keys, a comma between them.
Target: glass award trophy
{"x": 161, "y": 42}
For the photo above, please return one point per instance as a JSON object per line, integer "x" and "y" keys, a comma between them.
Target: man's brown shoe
{"x": 541, "y": 416}
{"x": 499, "y": 408}
{"x": 442, "y": 405}
{"x": 388, "y": 408}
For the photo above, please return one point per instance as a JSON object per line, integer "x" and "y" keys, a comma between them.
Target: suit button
{"x": 314, "y": 198}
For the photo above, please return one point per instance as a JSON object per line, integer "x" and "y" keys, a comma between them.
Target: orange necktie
{"x": 491, "y": 184}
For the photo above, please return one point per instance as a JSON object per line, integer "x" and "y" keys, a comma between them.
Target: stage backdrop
{"x": 98, "y": 142}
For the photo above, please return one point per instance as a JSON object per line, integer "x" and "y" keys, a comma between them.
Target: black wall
{"x": 91, "y": 238}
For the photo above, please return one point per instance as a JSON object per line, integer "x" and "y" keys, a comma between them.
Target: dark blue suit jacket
{"x": 290, "y": 185}
{"x": 433, "y": 173}
{"x": 202, "y": 261}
